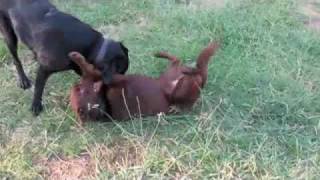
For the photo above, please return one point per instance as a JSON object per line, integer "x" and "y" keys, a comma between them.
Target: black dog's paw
{"x": 36, "y": 108}
{"x": 24, "y": 83}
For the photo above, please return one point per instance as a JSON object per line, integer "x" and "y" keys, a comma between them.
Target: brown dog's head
{"x": 87, "y": 97}
{"x": 183, "y": 84}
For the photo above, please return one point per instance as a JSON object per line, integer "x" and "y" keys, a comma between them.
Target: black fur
{"x": 51, "y": 35}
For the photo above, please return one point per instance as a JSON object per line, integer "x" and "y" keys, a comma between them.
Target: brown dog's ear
{"x": 86, "y": 68}
{"x": 173, "y": 59}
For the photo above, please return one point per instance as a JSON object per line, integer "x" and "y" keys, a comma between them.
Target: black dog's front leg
{"x": 41, "y": 79}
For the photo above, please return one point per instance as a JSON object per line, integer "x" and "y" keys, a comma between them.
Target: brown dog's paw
{"x": 75, "y": 55}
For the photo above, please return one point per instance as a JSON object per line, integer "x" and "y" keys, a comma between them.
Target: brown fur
{"x": 134, "y": 95}
{"x": 183, "y": 84}
{"x": 87, "y": 98}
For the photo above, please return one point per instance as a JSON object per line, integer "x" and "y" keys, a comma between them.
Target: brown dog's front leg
{"x": 41, "y": 79}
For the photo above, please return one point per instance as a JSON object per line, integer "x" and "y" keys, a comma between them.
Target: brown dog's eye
{"x": 81, "y": 111}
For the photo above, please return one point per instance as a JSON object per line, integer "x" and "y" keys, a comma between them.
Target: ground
{"x": 258, "y": 116}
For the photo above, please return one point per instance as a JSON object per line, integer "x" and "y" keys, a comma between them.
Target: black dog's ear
{"x": 125, "y": 49}
{"x": 122, "y": 64}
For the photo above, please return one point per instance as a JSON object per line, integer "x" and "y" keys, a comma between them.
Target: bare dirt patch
{"x": 115, "y": 31}
{"x": 211, "y": 3}
{"x": 81, "y": 167}
{"x": 203, "y": 3}
{"x": 112, "y": 31}
{"x": 119, "y": 155}
{"x": 311, "y": 9}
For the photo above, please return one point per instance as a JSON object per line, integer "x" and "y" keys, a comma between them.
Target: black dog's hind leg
{"x": 41, "y": 79}
{"x": 12, "y": 41}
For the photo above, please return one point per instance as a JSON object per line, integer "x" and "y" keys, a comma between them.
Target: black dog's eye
{"x": 121, "y": 65}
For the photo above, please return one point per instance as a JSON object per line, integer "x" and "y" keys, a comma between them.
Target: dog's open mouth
{"x": 92, "y": 106}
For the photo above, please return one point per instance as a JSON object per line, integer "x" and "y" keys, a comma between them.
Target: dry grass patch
{"x": 4, "y": 134}
{"x": 305, "y": 169}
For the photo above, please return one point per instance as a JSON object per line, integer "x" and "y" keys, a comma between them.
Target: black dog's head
{"x": 112, "y": 58}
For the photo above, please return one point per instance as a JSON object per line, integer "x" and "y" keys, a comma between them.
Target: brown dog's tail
{"x": 204, "y": 58}
{"x": 87, "y": 69}
{"x": 173, "y": 59}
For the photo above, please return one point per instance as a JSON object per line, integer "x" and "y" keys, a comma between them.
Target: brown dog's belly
{"x": 139, "y": 96}
{"x": 187, "y": 92}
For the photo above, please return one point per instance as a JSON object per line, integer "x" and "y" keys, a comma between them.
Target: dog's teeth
{"x": 175, "y": 82}
{"x": 89, "y": 107}
{"x": 96, "y": 106}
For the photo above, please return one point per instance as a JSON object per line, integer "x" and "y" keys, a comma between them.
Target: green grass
{"x": 258, "y": 118}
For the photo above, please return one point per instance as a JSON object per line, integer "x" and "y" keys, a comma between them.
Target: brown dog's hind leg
{"x": 173, "y": 59}
{"x": 12, "y": 41}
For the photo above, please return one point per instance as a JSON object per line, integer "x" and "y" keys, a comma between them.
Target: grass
{"x": 258, "y": 118}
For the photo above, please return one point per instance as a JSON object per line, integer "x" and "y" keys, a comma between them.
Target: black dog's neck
{"x": 102, "y": 50}
{"x": 99, "y": 49}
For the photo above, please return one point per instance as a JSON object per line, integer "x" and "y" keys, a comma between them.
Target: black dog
{"x": 51, "y": 35}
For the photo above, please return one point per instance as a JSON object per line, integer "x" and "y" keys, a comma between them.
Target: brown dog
{"x": 128, "y": 95}
{"x": 132, "y": 95}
